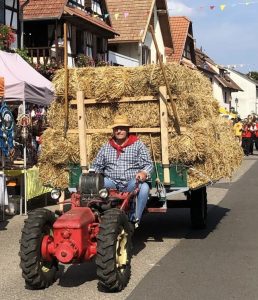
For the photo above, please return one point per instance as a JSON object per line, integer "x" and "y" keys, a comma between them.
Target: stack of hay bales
{"x": 207, "y": 146}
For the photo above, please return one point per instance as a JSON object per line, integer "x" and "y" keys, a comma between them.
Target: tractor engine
{"x": 75, "y": 232}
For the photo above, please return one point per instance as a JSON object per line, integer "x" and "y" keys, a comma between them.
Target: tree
{"x": 253, "y": 75}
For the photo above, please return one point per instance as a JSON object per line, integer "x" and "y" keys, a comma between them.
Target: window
{"x": 146, "y": 55}
{"x": 96, "y": 7}
{"x": 187, "y": 51}
{"x": 79, "y": 41}
{"x": 89, "y": 44}
{"x": 101, "y": 45}
{"x": 225, "y": 97}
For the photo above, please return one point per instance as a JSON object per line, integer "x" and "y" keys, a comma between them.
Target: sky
{"x": 226, "y": 30}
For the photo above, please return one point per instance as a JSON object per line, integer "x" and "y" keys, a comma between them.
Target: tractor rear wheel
{"x": 114, "y": 251}
{"x": 198, "y": 208}
{"x": 37, "y": 272}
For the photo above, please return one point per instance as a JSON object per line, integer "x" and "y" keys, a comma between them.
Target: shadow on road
{"x": 4, "y": 222}
{"x": 175, "y": 224}
{"x": 76, "y": 275}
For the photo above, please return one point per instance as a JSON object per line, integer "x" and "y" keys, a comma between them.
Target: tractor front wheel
{"x": 198, "y": 208}
{"x": 37, "y": 272}
{"x": 114, "y": 251}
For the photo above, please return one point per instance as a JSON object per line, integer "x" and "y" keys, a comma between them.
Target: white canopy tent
{"x": 23, "y": 83}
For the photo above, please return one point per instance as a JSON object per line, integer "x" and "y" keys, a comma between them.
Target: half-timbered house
{"x": 9, "y": 15}
{"x": 88, "y": 29}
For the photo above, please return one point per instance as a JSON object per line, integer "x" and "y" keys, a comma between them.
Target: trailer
{"x": 97, "y": 223}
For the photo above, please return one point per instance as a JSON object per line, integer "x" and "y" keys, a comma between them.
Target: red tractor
{"x": 96, "y": 225}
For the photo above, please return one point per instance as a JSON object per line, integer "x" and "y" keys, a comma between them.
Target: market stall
{"x": 22, "y": 86}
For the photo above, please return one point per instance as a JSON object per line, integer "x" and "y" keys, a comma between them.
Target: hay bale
{"x": 59, "y": 150}
{"x": 208, "y": 146}
{"x": 54, "y": 175}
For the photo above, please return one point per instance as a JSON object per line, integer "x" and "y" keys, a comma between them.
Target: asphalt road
{"x": 170, "y": 260}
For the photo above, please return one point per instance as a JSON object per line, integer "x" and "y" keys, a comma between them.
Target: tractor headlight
{"x": 103, "y": 193}
{"x": 55, "y": 194}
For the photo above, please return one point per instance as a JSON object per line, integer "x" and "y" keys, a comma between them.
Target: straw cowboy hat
{"x": 120, "y": 120}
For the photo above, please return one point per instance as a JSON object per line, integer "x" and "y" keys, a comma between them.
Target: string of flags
{"x": 211, "y": 7}
{"x": 221, "y": 7}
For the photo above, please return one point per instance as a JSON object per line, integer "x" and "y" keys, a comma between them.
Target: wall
{"x": 119, "y": 59}
{"x": 219, "y": 94}
{"x": 134, "y": 51}
{"x": 129, "y": 49}
{"x": 149, "y": 41}
{"x": 247, "y": 99}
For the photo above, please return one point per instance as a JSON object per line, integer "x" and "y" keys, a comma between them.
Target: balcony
{"x": 46, "y": 55}
{"x": 117, "y": 59}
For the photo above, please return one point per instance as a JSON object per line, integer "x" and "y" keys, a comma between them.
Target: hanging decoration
{"x": 212, "y": 6}
{"x": 6, "y": 130}
{"x": 220, "y": 6}
{"x": 24, "y": 125}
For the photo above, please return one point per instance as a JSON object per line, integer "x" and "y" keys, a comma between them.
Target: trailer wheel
{"x": 198, "y": 209}
{"x": 114, "y": 251}
{"x": 38, "y": 274}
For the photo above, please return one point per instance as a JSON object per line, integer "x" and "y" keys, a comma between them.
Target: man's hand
{"x": 142, "y": 176}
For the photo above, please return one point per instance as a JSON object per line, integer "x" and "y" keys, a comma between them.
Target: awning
{"x": 22, "y": 82}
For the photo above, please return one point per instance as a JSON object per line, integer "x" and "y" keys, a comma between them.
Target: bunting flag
{"x": 220, "y": 6}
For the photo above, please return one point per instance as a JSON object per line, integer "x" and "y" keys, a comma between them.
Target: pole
{"x": 22, "y": 22}
{"x": 3, "y": 159}
{"x": 173, "y": 105}
{"x": 66, "y": 80}
{"x": 82, "y": 131}
{"x": 164, "y": 134}
{"x": 25, "y": 167}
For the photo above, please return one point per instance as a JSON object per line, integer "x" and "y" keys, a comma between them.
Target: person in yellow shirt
{"x": 238, "y": 130}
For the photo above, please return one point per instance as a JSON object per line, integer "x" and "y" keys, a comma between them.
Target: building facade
{"x": 9, "y": 15}
{"x": 245, "y": 101}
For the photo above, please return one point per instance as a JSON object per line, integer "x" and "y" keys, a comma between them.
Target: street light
{"x": 236, "y": 101}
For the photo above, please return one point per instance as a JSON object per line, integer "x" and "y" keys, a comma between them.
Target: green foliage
{"x": 253, "y": 75}
{"x": 24, "y": 54}
{"x": 84, "y": 61}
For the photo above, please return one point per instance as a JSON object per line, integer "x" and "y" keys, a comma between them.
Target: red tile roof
{"x": 202, "y": 61}
{"x": 179, "y": 27}
{"x": 96, "y": 21}
{"x": 131, "y": 19}
{"x": 48, "y": 9}
{"x": 205, "y": 63}
{"x": 43, "y": 9}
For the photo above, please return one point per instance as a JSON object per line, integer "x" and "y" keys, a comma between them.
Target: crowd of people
{"x": 246, "y": 133}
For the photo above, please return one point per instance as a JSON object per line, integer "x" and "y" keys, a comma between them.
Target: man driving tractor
{"x": 124, "y": 160}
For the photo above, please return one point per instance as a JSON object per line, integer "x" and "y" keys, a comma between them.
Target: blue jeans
{"x": 142, "y": 195}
